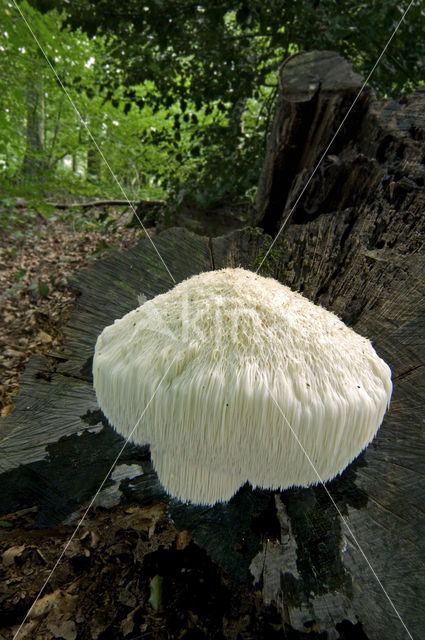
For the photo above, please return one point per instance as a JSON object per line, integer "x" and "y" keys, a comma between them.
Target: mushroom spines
{"x": 238, "y": 371}
{"x": 189, "y": 481}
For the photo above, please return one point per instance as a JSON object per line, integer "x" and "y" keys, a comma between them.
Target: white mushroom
{"x": 248, "y": 356}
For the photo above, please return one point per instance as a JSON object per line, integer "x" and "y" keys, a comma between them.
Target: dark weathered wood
{"x": 366, "y": 262}
{"x": 315, "y": 91}
{"x": 356, "y": 246}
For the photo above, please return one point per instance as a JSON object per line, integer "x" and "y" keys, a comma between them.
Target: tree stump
{"x": 355, "y": 245}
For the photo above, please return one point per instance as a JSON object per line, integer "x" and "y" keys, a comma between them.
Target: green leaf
{"x": 101, "y": 247}
{"x": 43, "y": 289}
{"x": 19, "y": 274}
{"x": 42, "y": 207}
{"x": 155, "y": 597}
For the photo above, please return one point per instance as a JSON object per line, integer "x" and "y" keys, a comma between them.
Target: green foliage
{"x": 210, "y": 57}
{"x": 14, "y": 220}
{"x": 41, "y": 287}
{"x": 19, "y": 274}
{"x": 57, "y": 162}
{"x": 178, "y": 96}
{"x": 270, "y": 255}
{"x": 102, "y": 247}
{"x": 30, "y": 93}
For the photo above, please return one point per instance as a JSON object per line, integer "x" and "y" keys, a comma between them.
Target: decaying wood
{"x": 356, "y": 246}
{"x": 359, "y": 251}
{"x": 376, "y": 154}
{"x": 315, "y": 91}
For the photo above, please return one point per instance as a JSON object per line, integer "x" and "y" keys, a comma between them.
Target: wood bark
{"x": 329, "y": 149}
{"x": 355, "y": 245}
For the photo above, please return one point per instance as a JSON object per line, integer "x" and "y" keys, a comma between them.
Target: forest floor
{"x": 36, "y": 297}
{"x": 127, "y": 574}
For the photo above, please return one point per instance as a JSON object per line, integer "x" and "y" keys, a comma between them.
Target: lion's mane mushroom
{"x": 240, "y": 345}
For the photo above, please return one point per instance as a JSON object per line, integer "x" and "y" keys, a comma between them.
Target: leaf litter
{"x": 36, "y": 299}
{"x": 103, "y": 586}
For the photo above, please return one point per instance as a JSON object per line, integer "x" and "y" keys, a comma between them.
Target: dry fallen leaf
{"x": 91, "y": 538}
{"x": 182, "y": 539}
{"x": 62, "y": 628}
{"x": 143, "y": 518}
{"x": 45, "y": 604}
{"x": 98, "y": 624}
{"x": 26, "y": 630}
{"x": 127, "y": 598}
{"x": 30, "y": 323}
{"x": 127, "y": 625}
{"x": 6, "y": 410}
{"x": 8, "y": 556}
{"x": 44, "y": 337}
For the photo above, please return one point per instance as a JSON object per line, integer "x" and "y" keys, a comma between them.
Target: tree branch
{"x": 104, "y": 203}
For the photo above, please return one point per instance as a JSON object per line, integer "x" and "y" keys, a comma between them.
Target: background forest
{"x": 177, "y": 96}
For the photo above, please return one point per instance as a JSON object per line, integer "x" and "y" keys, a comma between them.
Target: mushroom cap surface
{"x": 248, "y": 356}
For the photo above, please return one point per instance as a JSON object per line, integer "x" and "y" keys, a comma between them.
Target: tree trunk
{"x": 75, "y": 156}
{"x": 94, "y": 164}
{"x": 353, "y": 241}
{"x": 33, "y": 158}
{"x": 306, "y": 172}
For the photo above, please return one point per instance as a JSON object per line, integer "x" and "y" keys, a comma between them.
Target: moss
{"x": 124, "y": 285}
{"x": 274, "y": 263}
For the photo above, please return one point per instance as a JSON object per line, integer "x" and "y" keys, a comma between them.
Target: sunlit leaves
{"x": 191, "y": 85}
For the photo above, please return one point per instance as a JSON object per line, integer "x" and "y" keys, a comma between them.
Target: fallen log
{"x": 107, "y": 203}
